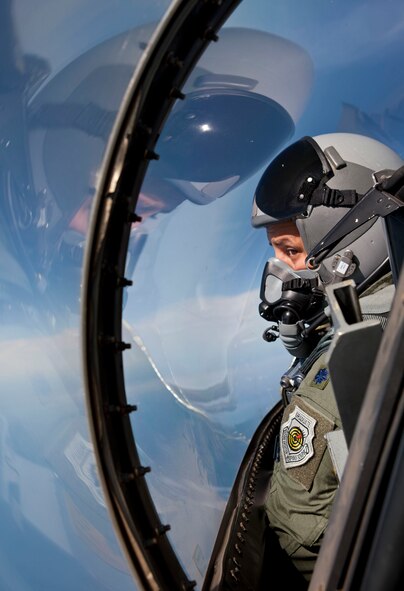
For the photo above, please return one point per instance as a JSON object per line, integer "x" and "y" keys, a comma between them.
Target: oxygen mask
{"x": 292, "y": 299}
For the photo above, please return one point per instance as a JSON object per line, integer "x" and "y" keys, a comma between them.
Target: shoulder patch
{"x": 302, "y": 440}
{"x": 321, "y": 378}
{"x": 297, "y": 438}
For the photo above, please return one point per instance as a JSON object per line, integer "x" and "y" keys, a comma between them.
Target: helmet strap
{"x": 324, "y": 195}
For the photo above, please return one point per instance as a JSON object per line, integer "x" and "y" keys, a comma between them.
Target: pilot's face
{"x": 287, "y": 244}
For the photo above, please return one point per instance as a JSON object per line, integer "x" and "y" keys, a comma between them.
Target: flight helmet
{"x": 316, "y": 181}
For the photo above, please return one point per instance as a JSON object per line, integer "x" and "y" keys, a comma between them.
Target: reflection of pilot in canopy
{"x": 301, "y": 197}
{"x": 238, "y": 107}
{"x": 242, "y": 102}
{"x": 209, "y": 145}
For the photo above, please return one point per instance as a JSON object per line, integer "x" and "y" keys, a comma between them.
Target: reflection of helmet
{"x": 208, "y": 145}
{"x": 316, "y": 181}
{"x": 242, "y": 101}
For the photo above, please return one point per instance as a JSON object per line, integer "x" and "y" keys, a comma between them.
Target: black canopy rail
{"x": 185, "y": 32}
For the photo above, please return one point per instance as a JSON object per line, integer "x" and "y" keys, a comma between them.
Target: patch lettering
{"x": 297, "y": 435}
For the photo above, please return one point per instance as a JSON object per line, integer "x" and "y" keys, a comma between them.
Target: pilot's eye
{"x": 291, "y": 252}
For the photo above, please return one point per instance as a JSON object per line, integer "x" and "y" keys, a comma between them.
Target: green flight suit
{"x": 304, "y": 483}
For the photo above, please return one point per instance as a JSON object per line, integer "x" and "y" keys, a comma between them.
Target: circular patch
{"x": 295, "y": 439}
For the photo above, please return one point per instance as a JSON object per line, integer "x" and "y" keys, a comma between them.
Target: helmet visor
{"x": 286, "y": 186}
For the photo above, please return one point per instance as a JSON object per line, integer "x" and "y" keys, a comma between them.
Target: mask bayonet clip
{"x": 271, "y": 334}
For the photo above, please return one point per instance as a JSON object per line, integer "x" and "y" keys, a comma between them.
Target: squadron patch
{"x": 302, "y": 440}
{"x": 297, "y": 438}
{"x": 321, "y": 378}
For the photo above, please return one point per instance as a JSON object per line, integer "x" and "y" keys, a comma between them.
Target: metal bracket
{"x": 352, "y": 352}
{"x": 338, "y": 449}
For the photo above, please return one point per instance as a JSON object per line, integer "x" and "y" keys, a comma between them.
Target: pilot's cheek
{"x": 299, "y": 263}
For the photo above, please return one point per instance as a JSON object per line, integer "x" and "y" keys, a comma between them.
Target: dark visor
{"x": 287, "y": 184}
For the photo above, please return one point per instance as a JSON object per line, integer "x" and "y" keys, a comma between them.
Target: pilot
{"x": 304, "y": 192}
